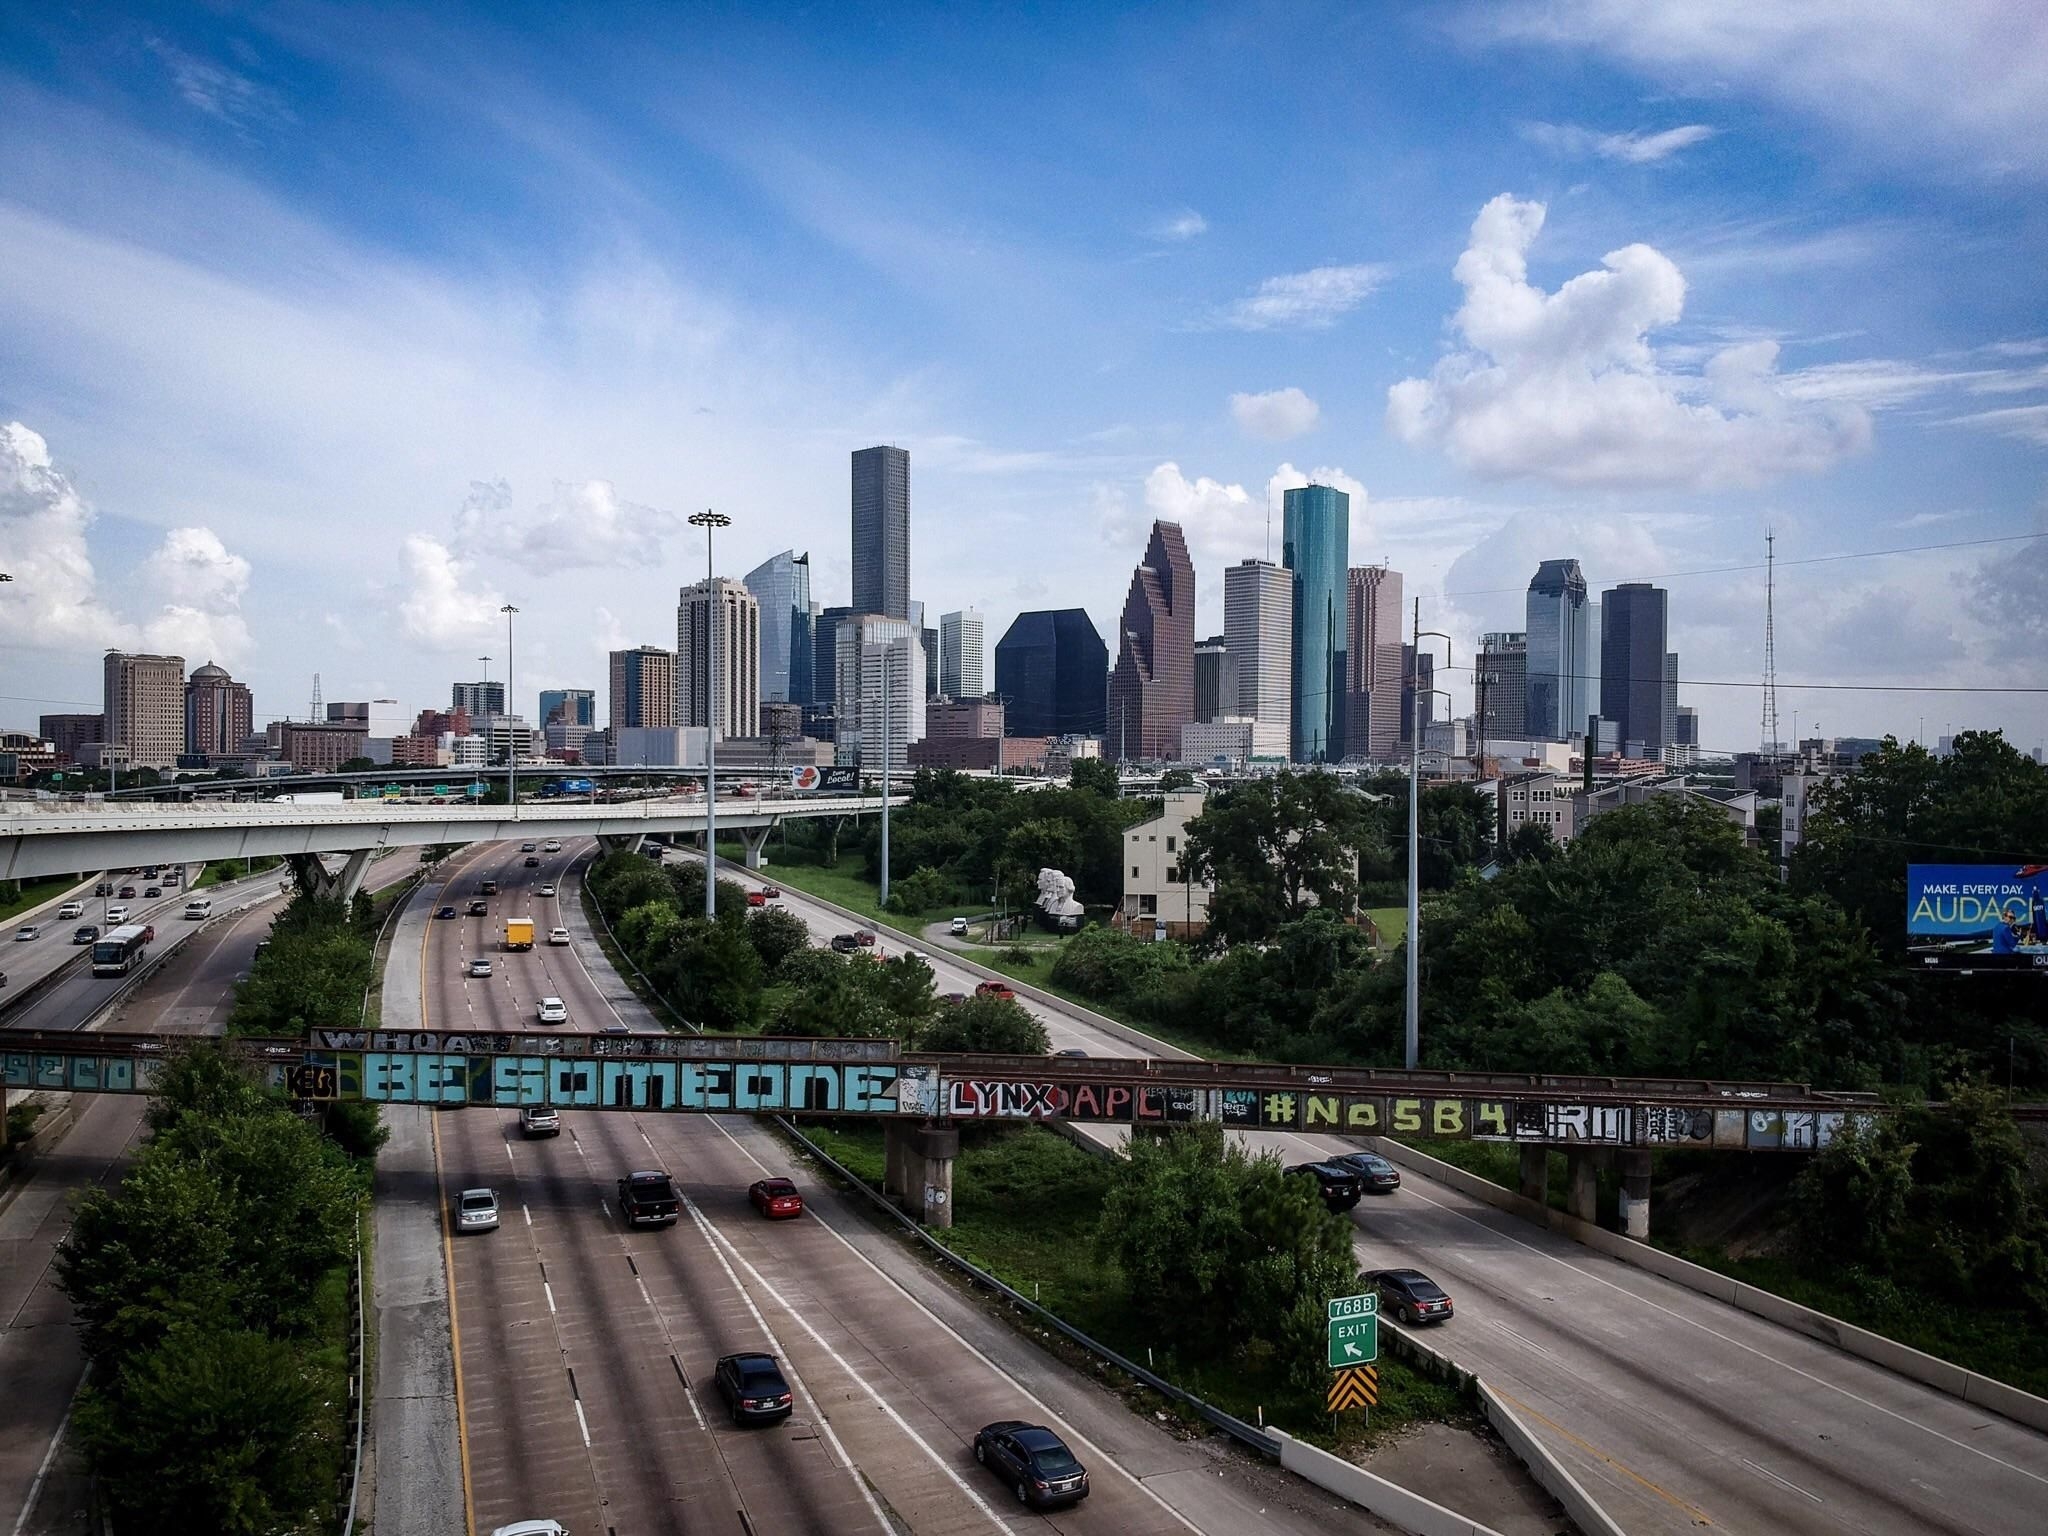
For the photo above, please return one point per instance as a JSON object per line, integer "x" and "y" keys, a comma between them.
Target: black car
{"x": 1340, "y": 1186}
{"x": 1414, "y": 1297}
{"x": 86, "y": 933}
{"x": 533, "y": 861}
{"x": 753, "y": 1389}
{"x": 445, "y": 912}
{"x": 845, "y": 944}
{"x": 1033, "y": 1460}
{"x": 1379, "y": 1176}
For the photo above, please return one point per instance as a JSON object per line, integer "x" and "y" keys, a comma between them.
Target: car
{"x": 152, "y": 890}
{"x": 1340, "y": 1186}
{"x": 85, "y": 933}
{"x": 772, "y": 892}
{"x": 1033, "y": 1460}
{"x": 478, "y": 907}
{"x": 540, "y": 1120}
{"x": 116, "y": 915}
{"x": 551, "y": 846}
{"x": 648, "y": 1198}
{"x": 480, "y": 966}
{"x": 952, "y": 997}
{"x": 915, "y": 954}
{"x": 1414, "y": 1297}
{"x": 756, "y": 899}
{"x": 532, "y": 1528}
{"x": 476, "y": 1210}
{"x": 533, "y": 861}
{"x": 753, "y": 1389}
{"x": 553, "y": 1010}
{"x": 844, "y": 943}
{"x": 558, "y": 935}
{"x": 104, "y": 888}
{"x": 1074, "y": 1051}
{"x": 127, "y": 893}
{"x": 775, "y": 1197}
{"x": 28, "y": 931}
{"x": 70, "y": 910}
{"x": 445, "y": 912}
{"x": 1379, "y": 1176}
{"x": 615, "y": 1029}
{"x": 487, "y": 887}
{"x": 528, "y": 847}
{"x": 547, "y": 889}
{"x": 996, "y": 989}
{"x": 957, "y": 927}
{"x": 149, "y": 933}
{"x": 864, "y": 937}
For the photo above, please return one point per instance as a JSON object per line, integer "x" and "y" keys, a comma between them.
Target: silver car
{"x": 476, "y": 1210}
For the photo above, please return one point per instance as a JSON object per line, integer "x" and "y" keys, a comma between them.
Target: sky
{"x": 326, "y": 331}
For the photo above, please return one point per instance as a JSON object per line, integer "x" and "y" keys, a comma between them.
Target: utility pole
{"x": 887, "y": 658}
{"x": 709, "y": 521}
{"x": 1413, "y": 1043}
{"x": 511, "y": 750}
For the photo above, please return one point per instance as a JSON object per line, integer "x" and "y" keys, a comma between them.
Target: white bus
{"x": 198, "y": 907}
{"x": 119, "y": 952}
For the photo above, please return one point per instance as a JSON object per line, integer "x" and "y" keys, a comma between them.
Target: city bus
{"x": 120, "y": 951}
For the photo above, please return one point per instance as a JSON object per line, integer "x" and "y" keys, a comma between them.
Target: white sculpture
{"x": 1056, "y": 899}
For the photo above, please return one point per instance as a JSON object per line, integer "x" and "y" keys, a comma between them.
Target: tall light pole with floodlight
{"x": 710, "y": 522}
{"x": 511, "y": 750}
{"x": 1414, "y": 1033}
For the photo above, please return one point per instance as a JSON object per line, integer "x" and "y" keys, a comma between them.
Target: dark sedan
{"x": 1414, "y": 1297}
{"x": 1033, "y": 1460}
{"x": 753, "y": 1389}
{"x": 445, "y": 912}
{"x": 1340, "y": 1187}
{"x": 1379, "y": 1176}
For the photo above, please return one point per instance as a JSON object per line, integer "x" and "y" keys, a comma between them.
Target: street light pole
{"x": 886, "y": 659}
{"x": 710, "y": 521}
{"x": 1413, "y": 1042}
{"x": 511, "y": 751}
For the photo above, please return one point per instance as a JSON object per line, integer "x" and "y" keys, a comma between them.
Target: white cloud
{"x": 2028, "y": 423}
{"x": 1184, "y": 225}
{"x": 203, "y": 584}
{"x": 444, "y": 605}
{"x": 588, "y": 525}
{"x": 1634, "y": 147}
{"x": 219, "y": 92}
{"x": 1276, "y": 415}
{"x": 1565, "y": 386}
{"x": 1307, "y": 301}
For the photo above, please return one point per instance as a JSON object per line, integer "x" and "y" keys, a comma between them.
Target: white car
{"x": 476, "y": 1210}
{"x": 553, "y": 1011}
{"x": 558, "y": 935}
{"x": 69, "y": 910}
{"x": 114, "y": 915}
{"x": 28, "y": 931}
{"x": 533, "y": 1528}
{"x": 480, "y": 966}
{"x": 957, "y": 927}
{"x": 548, "y": 889}
{"x": 551, "y": 846}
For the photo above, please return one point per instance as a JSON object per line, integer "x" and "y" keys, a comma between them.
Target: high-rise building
{"x": 1316, "y": 547}
{"x": 145, "y": 707}
{"x": 1051, "y": 674}
{"x": 1500, "y": 689}
{"x": 1669, "y": 715}
{"x": 961, "y": 674}
{"x": 320, "y": 746}
{"x": 1258, "y": 631}
{"x": 568, "y": 706}
{"x": 218, "y": 713}
{"x": 946, "y": 718}
{"x": 879, "y": 692}
{"x": 643, "y": 689}
{"x": 782, "y": 586}
{"x": 1215, "y": 680}
{"x": 1632, "y": 630}
{"x": 881, "y": 532}
{"x": 929, "y": 639}
{"x": 718, "y": 658}
{"x": 1686, "y": 727}
{"x": 824, "y": 665}
{"x": 1418, "y": 677}
{"x": 68, "y": 733}
{"x": 1563, "y": 655}
{"x": 1372, "y": 663}
{"x": 478, "y": 700}
{"x": 1152, "y": 686}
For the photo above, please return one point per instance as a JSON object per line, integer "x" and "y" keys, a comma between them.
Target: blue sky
{"x": 327, "y": 330}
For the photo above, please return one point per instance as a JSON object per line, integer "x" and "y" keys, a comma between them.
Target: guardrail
{"x": 358, "y": 1383}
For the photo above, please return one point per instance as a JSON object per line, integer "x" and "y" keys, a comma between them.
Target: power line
{"x": 1701, "y": 682}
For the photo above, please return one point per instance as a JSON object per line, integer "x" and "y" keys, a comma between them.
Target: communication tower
{"x": 1770, "y": 744}
{"x": 315, "y": 712}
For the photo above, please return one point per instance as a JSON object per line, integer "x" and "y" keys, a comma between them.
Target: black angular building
{"x": 1052, "y": 673}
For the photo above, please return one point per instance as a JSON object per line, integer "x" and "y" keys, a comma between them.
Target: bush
{"x": 776, "y": 935}
{"x": 919, "y": 892}
{"x": 985, "y": 1025}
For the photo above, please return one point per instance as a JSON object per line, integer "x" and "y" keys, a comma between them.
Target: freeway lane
{"x": 1673, "y": 1409}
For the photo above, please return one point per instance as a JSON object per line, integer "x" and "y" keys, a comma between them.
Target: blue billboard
{"x": 1978, "y": 917}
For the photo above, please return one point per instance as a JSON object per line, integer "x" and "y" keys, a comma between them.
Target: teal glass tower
{"x": 1316, "y": 547}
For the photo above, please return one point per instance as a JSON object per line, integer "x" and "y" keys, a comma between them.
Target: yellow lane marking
{"x": 1700, "y": 1516}
{"x": 448, "y": 1255}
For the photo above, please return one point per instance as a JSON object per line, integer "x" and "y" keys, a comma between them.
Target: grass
{"x": 325, "y": 1357}
{"x": 33, "y": 893}
{"x": 223, "y": 870}
{"x": 842, "y": 884}
{"x": 1392, "y": 923}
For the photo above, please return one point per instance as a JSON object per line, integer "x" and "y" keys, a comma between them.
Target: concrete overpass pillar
{"x": 318, "y": 882}
{"x": 755, "y": 840}
{"x": 1582, "y": 1183}
{"x": 1635, "y": 1192}
{"x": 1536, "y": 1173}
{"x": 613, "y": 842}
{"x": 917, "y": 1164}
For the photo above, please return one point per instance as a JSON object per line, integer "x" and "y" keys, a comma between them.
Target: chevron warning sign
{"x": 1356, "y": 1386}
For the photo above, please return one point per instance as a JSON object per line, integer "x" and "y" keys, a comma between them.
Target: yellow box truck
{"x": 519, "y": 933}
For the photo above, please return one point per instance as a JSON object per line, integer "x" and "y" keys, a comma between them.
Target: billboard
{"x": 1977, "y": 917}
{"x": 835, "y": 780}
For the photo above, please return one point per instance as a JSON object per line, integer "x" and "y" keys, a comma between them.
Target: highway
{"x": 586, "y": 1351}
{"x": 1676, "y": 1411}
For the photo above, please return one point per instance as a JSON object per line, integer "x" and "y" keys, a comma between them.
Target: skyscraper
{"x": 1152, "y": 686}
{"x": 824, "y": 647}
{"x": 1215, "y": 679}
{"x": 879, "y": 692}
{"x": 479, "y": 701}
{"x": 781, "y": 584}
{"x": 1316, "y": 547}
{"x": 881, "y": 532}
{"x": 1372, "y": 664}
{"x": 1258, "y": 629}
{"x": 218, "y": 712}
{"x": 145, "y": 707}
{"x": 1051, "y": 674}
{"x": 1418, "y": 677}
{"x": 718, "y": 658}
{"x": 568, "y": 706}
{"x": 961, "y": 675}
{"x": 1500, "y": 691}
{"x": 643, "y": 689}
{"x": 1632, "y": 625}
{"x": 1563, "y": 654}
{"x": 1669, "y": 717}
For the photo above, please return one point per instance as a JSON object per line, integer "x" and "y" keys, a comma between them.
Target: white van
{"x": 199, "y": 907}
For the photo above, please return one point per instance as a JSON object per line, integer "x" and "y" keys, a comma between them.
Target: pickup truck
{"x": 845, "y": 944}
{"x": 648, "y": 1199}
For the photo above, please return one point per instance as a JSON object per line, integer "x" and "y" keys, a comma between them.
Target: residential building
{"x": 1051, "y": 671}
{"x": 718, "y": 658}
{"x": 1372, "y": 664}
{"x": 319, "y": 746}
{"x": 413, "y": 751}
{"x": 1795, "y": 793}
{"x": 1564, "y": 662}
{"x": 68, "y": 733}
{"x": 145, "y": 707}
{"x": 1258, "y": 631}
{"x": 571, "y": 706}
{"x": 1632, "y": 682}
{"x": 951, "y": 718}
{"x": 1152, "y": 686}
{"x": 564, "y": 742}
{"x": 1215, "y": 678}
{"x": 478, "y": 700}
{"x": 1233, "y": 738}
{"x": 881, "y": 532}
{"x": 824, "y": 663}
{"x": 961, "y": 673}
{"x": 781, "y": 584}
{"x": 1316, "y": 548}
{"x": 981, "y": 754}
{"x": 1159, "y": 901}
{"x": 1562, "y": 804}
{"x": 218, "y": 713}
{"x": 879, "y": 691}
{"x": 643, "y": 688}
{"x": 1500, "y": 686}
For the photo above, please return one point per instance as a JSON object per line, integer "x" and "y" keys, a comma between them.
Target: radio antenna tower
{"x": 1770, "y": 740}
{"x": 314, "y": 713}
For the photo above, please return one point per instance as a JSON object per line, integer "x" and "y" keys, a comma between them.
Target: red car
{"x": 756, "y": 899}
{"x": 776, "y": 1198}
{"x": 994, "y": 989}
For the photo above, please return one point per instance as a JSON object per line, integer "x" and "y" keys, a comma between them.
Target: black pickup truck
{"x": 649, "y": 1200}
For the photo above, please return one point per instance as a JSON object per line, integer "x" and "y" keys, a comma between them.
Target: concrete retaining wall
{"x": 40, "y": 1142}
{"x": 1586, "y": 1514}
{"x": 1390, "y": 1501}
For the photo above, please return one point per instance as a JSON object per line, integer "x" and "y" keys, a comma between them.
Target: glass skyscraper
{"x": 1563, "y": 659}
{"x": 881, "y": 531}
{"x": 572, "y": 706}
{"x": 1633, "y": 619}
{"x": 1316, "y": 547}
{"x": 781, "y": 584}
{"x": 1052, "y": 673}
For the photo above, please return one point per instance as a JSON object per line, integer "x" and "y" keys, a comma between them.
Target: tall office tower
{"x": 1632, "y": 630}
{"x": 961, "y": 675}
{"x": 879, "y": 691}
{"x": 1051, "y": 669}
{"x": 1215, "y": 679}
{"x": 1258, "y": 630}
{"x": 781, "y": 584}
{"x": 929, "y": 639}
{"x": 1500, "y": 691}
{"x": 1669, "y": 715}
{"x": 643, "y": 689}
{"x": 218, "y": 712}
{"x": 881, "y": 532}
{"x": 145, "y": 707}
{"x": 568, "y": 706}
{"x": 478, "y": 700}
{"x": 824, "y": 644}
{"x": 1418, "y": 675}
{"x": 1316, "y": 546}
{"x": 1152, "y": 686}
{"x": 718, "y": 658}
{"x": 1372, "y": 663}
{"x": 1685, "y": 731}
{"x": 1563, "y": 655}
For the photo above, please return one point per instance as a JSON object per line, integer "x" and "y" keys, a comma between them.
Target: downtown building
{"x": 569, "y": 706}
{"x": 219, "y": 714}
{"x": 643, "y": 689}
{"x": 478, "y": 700}
{"x": 144, "y": 708}
{"x": 881, "y": 533}
{"x": 782, "y": 586}
{"x": 1316, "y": 547}
{"x": 1636, "y": 678}
{"x": 1215, "y": 678}
{"x": 878, "y": 694}
{"x": 961, "y": 672}
{"x": 1152, "y": 685}
{"x": 1500, "y": 687}
{"x": 1563, "y": 646}
{"x": 1051, "y": 672}
{"x": 1258, "y": 633}
{"x": 1372, "y": 664}
{"x": 718, "y": 659}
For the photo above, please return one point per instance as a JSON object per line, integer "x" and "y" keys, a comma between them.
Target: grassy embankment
{"x": 221, "y": 871}
{"x": 32, "y": 893}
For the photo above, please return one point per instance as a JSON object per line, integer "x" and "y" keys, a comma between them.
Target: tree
{"x": 920, "y": 891}
{"x": 994, "y": 1026}
{"x": 358, "y": 765}
{"x": 1531, "y": 843}
{"x": 1851, "y": 1196}
{"x": 777, "y": 933}
{"x": 1096, "y": 776}
{"x": 1276, "y": 847}
{"x": 1175, "y": 779}
{"x": 711, "y": 974}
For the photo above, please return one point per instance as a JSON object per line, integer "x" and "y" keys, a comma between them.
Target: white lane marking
{"x": 796, "y": 1381}
{"x": 1052, "y": 1415}
{"x": 643, "y": 1292}
{"x": 1781, "y": 1482}
{"x": 526, "y": 1213}
{"x": 548, "y": 1290}
{"x": 35, "y": 1487}
{"x": 581, "y": 1422}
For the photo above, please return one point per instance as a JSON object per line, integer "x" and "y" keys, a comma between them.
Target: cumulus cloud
{"x": 444, "y": 604}
{"x": 1307, "y": 301}
{"x": 591, "y": 525}
{"x": 1634, "y": 147}
{"x": 1566, "y": 387}
{"x": 1184, "y": 225}
{"x": 203, "y": 584}
{"x": 1276, "y": 415}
